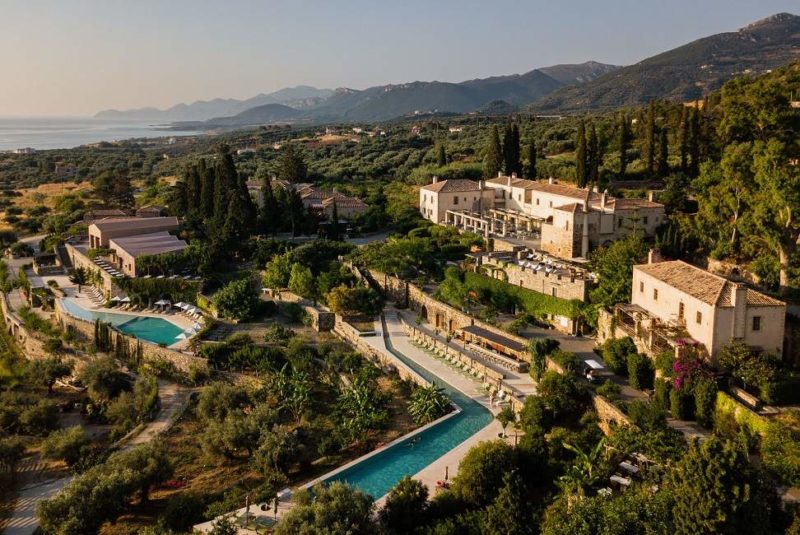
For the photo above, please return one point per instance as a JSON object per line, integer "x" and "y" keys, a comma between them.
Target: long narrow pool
{"x": 376, "y": 475}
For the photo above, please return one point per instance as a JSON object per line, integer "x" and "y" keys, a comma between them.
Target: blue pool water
{"x": 156, "y": 330}
{"x": 379, "y": 473}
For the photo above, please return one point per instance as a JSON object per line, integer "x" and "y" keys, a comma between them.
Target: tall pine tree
{"x": 581, "y": 174}
{"x": 493, "y": 160}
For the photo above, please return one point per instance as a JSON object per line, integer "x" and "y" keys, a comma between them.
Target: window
{"x": 519, "y": 197}
{"x": 655, "y": 294}
{"x": 644, "y": 220}
{"x": 680, "y": 311}
{"x": 551, "y": 204}
{"x": 555, "y": 292}
{"x": 537, "y": 202}
{"x": 641, "y": 287}
{"x": 566, "y": 227}
{"x": 455, "y": 200}
{"x": 424, "y": 198}
{"x": 699, "y": 317}
{"x": 756, "y": 323}
{"x": 619, "y": 222}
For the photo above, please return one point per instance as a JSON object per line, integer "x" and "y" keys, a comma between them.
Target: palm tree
{"x": 582, "y": 473}
{"x": 79, "y": 276}
{"x": 428, "y": 403}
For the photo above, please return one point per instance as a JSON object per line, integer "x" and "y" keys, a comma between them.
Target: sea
{"x": 64, "y": 133}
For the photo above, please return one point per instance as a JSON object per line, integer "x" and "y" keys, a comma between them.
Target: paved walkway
{"x": 174, "y": 398}
{"x": 23, "y": 520}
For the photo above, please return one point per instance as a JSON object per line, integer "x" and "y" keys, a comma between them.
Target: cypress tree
{"x": 663, "y": 153}
{"x": 441, "y": 154}
{"x": 593, "y": 157}
{"x": 624, "y": 141}
{"x": 333, "y": 234}
{"x": 516, "y": 150}
{"x": 694, "y": 142}
{"x": 206, "y": 189}
{"x": 581, "y": 175}
{"x": 684, "y": 141}
{"x": 494, "y": 155}
{"x": 270, "y": 210}
{"x": 292, "y": 165}
{"x": 650, "y": 138}
{"x": 511, "y": 150}
{"x": 193, "y": 187}
{"x": 530, "y": 171}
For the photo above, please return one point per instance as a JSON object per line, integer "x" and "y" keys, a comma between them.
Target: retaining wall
{"x": 150, "y": 352}
{"x": 29, "y": 341}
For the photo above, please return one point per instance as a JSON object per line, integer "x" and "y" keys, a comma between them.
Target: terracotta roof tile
{"x": 700, "y": 284}
{"x": 453, "y": 185}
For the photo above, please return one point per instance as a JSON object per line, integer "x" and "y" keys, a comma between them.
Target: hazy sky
{"x": 75, "y": 57}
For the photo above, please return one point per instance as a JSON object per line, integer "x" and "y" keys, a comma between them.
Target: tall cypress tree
{"x": 207, "y": 180}
{"x": 663, "y": 153}
{"x": 694, "y": 142}
{"x": 493, "y": 160}
{"x": 270, "y": 210}
{"x": 530, "y": 170}
{"x": 581, "y": 175}
{"x": 441, "y": 154}
{"x": 650, "y": 138}
{"x": 624, "y": 142}
{"x": 684, "y": 140}
{"x": 593, "y": 157}
{"x": 516, "y": 150}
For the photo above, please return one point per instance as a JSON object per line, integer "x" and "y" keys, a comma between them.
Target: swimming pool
{"x": 377, "y": 475}
{"x": 156, "y": 330}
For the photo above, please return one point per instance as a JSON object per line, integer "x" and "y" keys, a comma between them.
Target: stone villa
{"x": 570, "y": 220}
{"x": 674, "y": 303}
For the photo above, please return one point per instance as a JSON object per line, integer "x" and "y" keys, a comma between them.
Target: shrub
{"x": 780, "y": 448}
{"x": 569, "y": 362}
{"x": 532, "y": 302}
{"x": 237, "y": 300}
{"x": 648, "y": 416}
{"x": 640, "y": 371}
{"x": 680, "y": 404}
{"x": 39, "y": 419}
{"x": 615, "y": 354}
{"x": 664, "y": 362}
{"x": 65, "y": 444}
{"x": 662, "y": 390}
{"x": 609, "y": 389}
{"x": 183, "y": 511}
{"x": 705, "y": 398}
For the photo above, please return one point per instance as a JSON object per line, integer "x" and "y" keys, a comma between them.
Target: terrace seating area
{"x": 184, "y": 275}
{"x": 497, "y": 358}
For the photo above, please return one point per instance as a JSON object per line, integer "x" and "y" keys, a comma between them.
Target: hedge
{"x": 727, "y": 406}
{"x": 533, "y": 302}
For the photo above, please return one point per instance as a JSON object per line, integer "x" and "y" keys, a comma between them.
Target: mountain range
{"x": 684, "y": 73}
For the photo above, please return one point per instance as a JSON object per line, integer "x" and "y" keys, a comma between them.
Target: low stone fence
{"x": 608, "y": 413}
{"x": 148, "y": 351}
{"x": 322, "y": 319}
{"x": 352, "y": 336}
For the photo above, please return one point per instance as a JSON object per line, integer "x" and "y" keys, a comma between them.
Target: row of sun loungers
{"x": 108, "y": 268}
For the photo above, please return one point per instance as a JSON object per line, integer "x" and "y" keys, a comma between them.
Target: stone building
{"x": 678, "y": 303}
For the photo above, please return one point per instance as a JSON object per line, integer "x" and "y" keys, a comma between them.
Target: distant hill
{"x": 300, "y": 97}
{"x": 687, "y": 72}
{"x": 265, "y": 114}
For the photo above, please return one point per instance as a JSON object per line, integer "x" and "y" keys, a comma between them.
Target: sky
{"x": 77, "y": 57}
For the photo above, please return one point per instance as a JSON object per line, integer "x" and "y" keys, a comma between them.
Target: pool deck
{"x": 82, "y": 299}
{"x": 465, "y": 383}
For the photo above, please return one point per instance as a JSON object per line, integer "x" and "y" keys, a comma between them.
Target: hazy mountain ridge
{"x": 299, "y": 97}
{"x": 689, "y": 71}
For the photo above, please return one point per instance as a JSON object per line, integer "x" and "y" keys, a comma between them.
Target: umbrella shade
{"x": 115, "y": 298}
{"x": 161, "y": 302}
{"x": 181, "y": 336}
{"x": 125, "y": 299}
{"x": 186, "y": 306}
{"x": 179, "y": 304}
{"x": 191, "y": 310}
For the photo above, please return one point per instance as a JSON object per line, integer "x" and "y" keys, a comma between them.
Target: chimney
{"x": 551, "y": 180}
{"x": 739, "y": 302}
{"x": 594, "y": 189}
{"x": 651, "y": 196}
{"x": 654, "y": 256}
{"x": 480, "y": 185}
{"x": 603, "y": 199}
{"x": 508, "y": 181}
{"x": 499, "y": 174}
{"x": 513, "y": 175}
{"x": 435, "y": 179}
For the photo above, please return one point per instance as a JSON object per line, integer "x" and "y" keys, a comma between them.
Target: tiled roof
{"x": 700, "y": 284}
{"x": 452, "y": 185}
{"x": 631, "y": 204}
{"x": 149, "y": 244}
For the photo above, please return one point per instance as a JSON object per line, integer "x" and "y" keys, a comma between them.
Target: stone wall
{"x": 609, "y": 414}
{"x": 79, "y": 259}
{"x": 322, "y": 319}
{"x": 29, "y": 341}
{"x": 183, "y": 362}
{"x": 351, "y": 335}
{"x": 561, "y": 286}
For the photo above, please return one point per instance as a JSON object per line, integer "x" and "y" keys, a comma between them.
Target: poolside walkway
{"x": 465, "y": 383}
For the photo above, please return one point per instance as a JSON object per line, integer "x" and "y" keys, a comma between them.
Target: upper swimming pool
{"x": 155, "y": 330}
